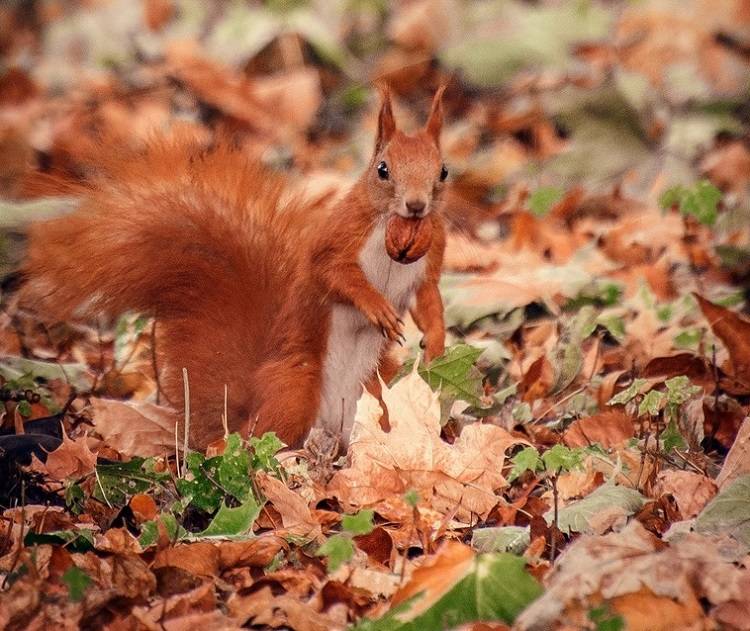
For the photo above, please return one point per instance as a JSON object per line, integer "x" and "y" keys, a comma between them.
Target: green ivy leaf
{"x": 360, "y": 523}
{"x": 265, "y": 449}
{"x": 75, "y": 539}
{"x": 700, "y": 201}
{"x": 562, "y": 458}
{"x": 544, "y": 198}
{"x": 232, "y": 522}
{"x": 234, "y": 468}
{"x": 627, "y": 395}
{"x": 77, "y": 581}
{"x": 338, "y": 549}
{"x": 652, "y": 402}
{"x": 150, "y": 530}
{"x": 493, "y": 587}
{"x": 196, "y": 485}
{"x": 672, "y": 438}
{"x": 525, "y": 460}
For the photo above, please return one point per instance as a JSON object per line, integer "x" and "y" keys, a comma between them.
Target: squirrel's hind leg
{"x": 290, "y": 400}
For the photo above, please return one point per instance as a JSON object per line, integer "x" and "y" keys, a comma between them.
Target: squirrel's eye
{"x": 443, "y": 173}
{"x": 383, "y": 170}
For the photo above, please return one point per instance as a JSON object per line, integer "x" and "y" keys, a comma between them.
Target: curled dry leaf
{"x": 633, "y": 572}
{"x": 692, "y": 491}
{"x": 71, "y": 460}
{"x": 294, "y": 510}
{"x": 609, "y": 428}
{"x": 737, "y": 462}
{"x": 734, "y": 332}
{"x": 142, "y": 429}
{"x": 463, "y": 476}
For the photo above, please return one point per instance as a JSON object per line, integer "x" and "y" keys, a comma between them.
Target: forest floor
{"x": 579, "y": 458}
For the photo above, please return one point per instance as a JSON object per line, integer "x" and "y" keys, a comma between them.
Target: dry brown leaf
{"x": 135, "y": 429}
{"x": 199, "y": 558}
{"x": 463, "y": 476}
{"x": 691, "y": 490}
{"x": 608, "y": 428}
{"x": 737, "y": 461}
{"x": 733, "y": 331}
{"x": 633, "y": 566}
{"x": 72, "y": 459}
{"x": 294, "y": 510}
{"x": 255, "y": 552}
{"x": 261, "y": 607}
{"x": 435, "y": 576}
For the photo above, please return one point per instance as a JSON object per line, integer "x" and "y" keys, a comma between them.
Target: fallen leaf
{"x": 608, "y": 428}
{"x": 71, "y": 460}
{"x": 691, "y": 490}
{"x": 737, "y": 461}
{"x": 294, "y": 510}
{"x": 733, "y": 331}
{"x": 135, "y": 429}
{"x": 462, "y": 477}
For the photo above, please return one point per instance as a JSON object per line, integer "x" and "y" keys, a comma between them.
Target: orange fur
{"x": 240, "y": 276}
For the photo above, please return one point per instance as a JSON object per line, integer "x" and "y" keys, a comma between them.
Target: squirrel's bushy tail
{"x": 203, "y": 240}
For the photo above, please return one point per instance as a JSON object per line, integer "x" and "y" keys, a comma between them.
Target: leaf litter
{"x": 579, "y": 456}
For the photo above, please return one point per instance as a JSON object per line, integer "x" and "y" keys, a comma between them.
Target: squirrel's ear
{"x": 386, "y": 122}
{"x": 435, "y": 121}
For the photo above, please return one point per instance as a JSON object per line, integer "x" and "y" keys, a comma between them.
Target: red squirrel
{"x": 292, "y": 306}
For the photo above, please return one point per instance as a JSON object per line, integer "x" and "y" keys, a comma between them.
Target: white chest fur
{"x": 354, "y": 344}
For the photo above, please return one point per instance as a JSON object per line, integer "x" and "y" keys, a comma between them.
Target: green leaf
{"x": 232, "y": 522}
{"x": 265, "y": 449}
{"x": 562, "y": 458}
{"x": 494, "y": 587}
{"x": 575, "y": 517}
{"x": 77, "y": 581}
{"x": 729, "y": 512}
{"x": 454, "y": 374}
{"x": 605, "y": 620}
{"x": 150, "y": 530}
{"x": 359, "y": 524}
{"x": 701, "y": 201}
{"x": 652, "y": 402}
{"x": 118, "y": 481}
{"x": 512, "y": 539}
{"x": 525, "y": 460}
{"x": 196, "y": 485}
{"x": 632, "y": 391}
{"x": 234, "y": 469}
{"x": 412, "y": 498}
{"x": 75, "y": 539}
{"x": 672, "y": 438}
{"x": 680, "y": 390}
{"x": 544, "y": 198}
{"x": 338, "y": 549}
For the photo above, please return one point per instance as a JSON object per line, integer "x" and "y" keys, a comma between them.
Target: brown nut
{"x": 407, "y": 240}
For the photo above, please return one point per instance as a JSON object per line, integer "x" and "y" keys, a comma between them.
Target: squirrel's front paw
{"x": 382, "y": 314}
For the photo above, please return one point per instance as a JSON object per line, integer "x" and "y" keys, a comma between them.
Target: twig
{"x": 17, "y": 556}
{"x": 187, "y": 419}
{"x": 556, "y": 502}
{"x": 558, "y": 403}
{"x": 154, "y": 363}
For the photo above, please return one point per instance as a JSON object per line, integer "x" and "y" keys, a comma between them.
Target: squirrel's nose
{"x": 415, "y": 207}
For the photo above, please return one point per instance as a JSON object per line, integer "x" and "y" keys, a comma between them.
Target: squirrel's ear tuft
{"x": 386, "y": 122}
{"x": 435, "y": 121}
